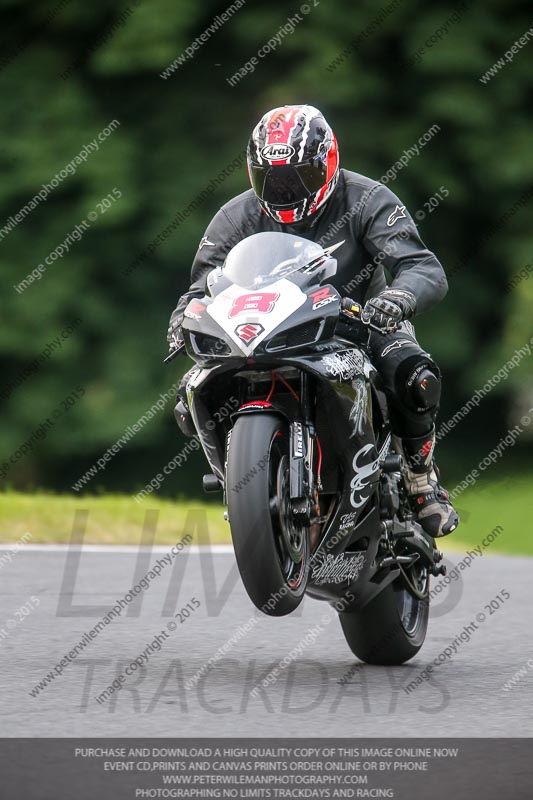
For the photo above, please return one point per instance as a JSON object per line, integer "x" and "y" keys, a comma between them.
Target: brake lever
{"x": 383, "y": 331}
{"x": 354, "y": 311}
{"x": 173, "y": 353}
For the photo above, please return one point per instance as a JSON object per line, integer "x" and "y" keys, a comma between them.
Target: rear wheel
{"x": 390, "y": 629}
{"x": 271, "y": 549}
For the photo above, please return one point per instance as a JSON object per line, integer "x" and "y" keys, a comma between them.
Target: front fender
{"x": 258, "y": 407}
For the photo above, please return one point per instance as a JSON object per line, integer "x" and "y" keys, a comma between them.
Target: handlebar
{"x": 173, "y": 353}
{"x": 351, "y": 309}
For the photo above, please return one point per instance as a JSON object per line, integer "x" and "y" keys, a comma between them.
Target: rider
{"x": 297, "y": 187}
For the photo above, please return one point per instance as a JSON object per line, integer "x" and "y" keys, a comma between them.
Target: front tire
{"x": 272, "y": 552}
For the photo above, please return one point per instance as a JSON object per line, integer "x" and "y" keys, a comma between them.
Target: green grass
{"x": 507, "y": 502}
{"x": 118, "y": 519}
{"x": 112, "y": 519}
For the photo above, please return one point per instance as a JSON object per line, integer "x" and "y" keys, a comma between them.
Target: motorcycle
{"x": 303, "y": 454}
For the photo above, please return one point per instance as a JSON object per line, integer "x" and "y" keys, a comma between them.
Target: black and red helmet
{"x": 293, "y": 162}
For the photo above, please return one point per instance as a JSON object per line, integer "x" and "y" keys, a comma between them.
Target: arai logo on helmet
{"x": 277, "y": 152}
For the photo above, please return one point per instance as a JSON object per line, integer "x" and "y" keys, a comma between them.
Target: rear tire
{"x": 272, "y": 553}
{"x": 390, "y": 629}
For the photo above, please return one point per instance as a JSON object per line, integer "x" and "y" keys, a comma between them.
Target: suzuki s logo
{"x": 277, "y": 152}
{"x": 249, "y": 331}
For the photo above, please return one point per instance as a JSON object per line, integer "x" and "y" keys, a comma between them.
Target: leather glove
{"x": 174, "y": 335}
{"x": 389, "y": 308}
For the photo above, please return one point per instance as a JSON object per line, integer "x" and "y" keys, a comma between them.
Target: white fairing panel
{"x": 248, "y": 317}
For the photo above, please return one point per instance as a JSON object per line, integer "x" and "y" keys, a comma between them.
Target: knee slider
{"x": 423, "y": 388}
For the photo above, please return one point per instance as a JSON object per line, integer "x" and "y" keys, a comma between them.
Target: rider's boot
{"x": 429, "y": 501}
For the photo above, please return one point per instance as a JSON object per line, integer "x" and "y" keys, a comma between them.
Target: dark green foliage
{"x": 71, "y": 68}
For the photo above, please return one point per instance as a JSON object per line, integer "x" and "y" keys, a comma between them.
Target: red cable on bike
{"x": 289, "y": 387}
{"x": 271, "y": 392}
{"x": 319, "y": 454}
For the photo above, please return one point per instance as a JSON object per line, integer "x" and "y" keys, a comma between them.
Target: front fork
{"x": 303, "y": 491}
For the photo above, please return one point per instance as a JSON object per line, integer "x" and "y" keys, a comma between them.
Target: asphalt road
{"x": 463, "y": 697}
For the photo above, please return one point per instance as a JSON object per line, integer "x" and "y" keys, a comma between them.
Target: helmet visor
{"x": 286, "y": 185}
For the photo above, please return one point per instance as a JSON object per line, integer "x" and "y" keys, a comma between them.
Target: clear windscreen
{"x": 265, "y": 258}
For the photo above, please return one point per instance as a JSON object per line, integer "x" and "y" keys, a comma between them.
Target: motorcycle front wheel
{"x": 271, "y": 549}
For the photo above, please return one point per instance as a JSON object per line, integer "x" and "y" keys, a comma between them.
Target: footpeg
{"x": 211, "y": 483}
{"x": 393, "y": 462}
{"x": 391, "y": 561}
